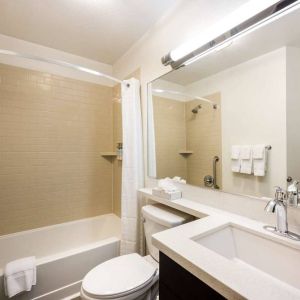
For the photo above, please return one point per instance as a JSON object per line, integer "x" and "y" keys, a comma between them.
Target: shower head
{"x": 196, "y": 109}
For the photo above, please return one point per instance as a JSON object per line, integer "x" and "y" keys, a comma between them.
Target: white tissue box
{"x": 166, "y": 195}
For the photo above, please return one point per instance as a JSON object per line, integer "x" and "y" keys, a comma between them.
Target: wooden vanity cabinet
{"x": 176, "y": 283}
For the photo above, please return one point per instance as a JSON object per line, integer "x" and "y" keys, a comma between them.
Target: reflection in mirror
{"x": 188, "y": 131}
{"x": 210, "y": 122}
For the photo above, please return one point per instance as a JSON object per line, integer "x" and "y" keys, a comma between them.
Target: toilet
{"x": 131, "y": 276}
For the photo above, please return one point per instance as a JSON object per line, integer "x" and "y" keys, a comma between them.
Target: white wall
{"x": 249, "y": 92}
{"x": 13, "y": 44}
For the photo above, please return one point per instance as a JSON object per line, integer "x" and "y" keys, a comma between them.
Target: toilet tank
{"x": 157, "y": 218}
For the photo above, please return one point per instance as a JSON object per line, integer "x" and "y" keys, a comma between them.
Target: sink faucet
{"x": 278, "y": 205}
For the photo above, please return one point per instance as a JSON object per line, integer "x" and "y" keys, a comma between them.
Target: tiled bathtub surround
{"x": 52, "y": 130}
{"x": 117, "y": 164}
{"x": 178, "y": 129}
{"x": 170, "y": 137}
{"x": 204, "y": 138}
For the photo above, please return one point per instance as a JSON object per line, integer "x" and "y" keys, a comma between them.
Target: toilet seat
{"x": 119, "y": 277}
{"x": 132, "y": 295}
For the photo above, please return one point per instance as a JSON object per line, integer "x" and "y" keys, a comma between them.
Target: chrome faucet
{"x": 278, "y": 205}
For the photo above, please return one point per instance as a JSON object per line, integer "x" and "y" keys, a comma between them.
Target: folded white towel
{"x": 167, "y": 184}
{"x": 259, "y": 160}
{"x": 246, "y": 159}
{"x": 19, "y": 276}
{"x": 245, "y": 152}
{"x": 258, "y": 151}
{"x": 235, "y": 152}
{"x": 179, "y": 179}
{"x": 235, "y": 158}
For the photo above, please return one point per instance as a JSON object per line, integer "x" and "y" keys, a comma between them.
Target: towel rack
{"x": 268, "y": 147}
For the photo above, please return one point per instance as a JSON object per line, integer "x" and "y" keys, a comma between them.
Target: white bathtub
{"x": 64, "y": 252}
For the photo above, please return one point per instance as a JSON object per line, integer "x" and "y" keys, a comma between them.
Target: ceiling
{"x": 282, "y": 32}
{"x": 101, "y": 30}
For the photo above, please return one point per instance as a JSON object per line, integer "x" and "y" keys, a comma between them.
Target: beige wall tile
{"x": 170, "y": 137}
{"x": 177, "y": 128}
{"x": 204, "y": 139}
{"x": 52, "y": 130}
{"x": 117, "y": 164}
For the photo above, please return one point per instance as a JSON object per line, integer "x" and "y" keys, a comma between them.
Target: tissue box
{"x": 166, "y": 195}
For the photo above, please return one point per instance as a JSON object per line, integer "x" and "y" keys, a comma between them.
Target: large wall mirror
{"x": 245, "y": 96}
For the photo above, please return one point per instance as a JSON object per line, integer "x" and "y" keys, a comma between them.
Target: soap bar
{"x": 166, "y": 195}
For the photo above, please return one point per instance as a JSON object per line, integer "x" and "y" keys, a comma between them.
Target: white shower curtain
{"x": 132, "y": 166}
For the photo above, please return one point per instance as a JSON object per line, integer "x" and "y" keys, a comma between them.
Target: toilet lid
{"x": 118, "y": 276}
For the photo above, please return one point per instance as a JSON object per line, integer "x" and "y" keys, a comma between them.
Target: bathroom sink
{"x": 254, "y": 251}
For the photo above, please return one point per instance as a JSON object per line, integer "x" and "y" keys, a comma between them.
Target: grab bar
{"x": 215, "y": 160}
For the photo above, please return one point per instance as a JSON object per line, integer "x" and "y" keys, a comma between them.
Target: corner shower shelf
{"x": 108, "y": 154}
{"x": 186, "y": 152}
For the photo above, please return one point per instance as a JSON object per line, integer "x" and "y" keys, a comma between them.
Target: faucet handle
{"x": 280, "y": 194}
{"x": 293, "y": 194}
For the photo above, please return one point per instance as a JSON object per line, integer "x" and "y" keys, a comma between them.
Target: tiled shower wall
{"x": 117, "y": 137}
{"x": 170, "y": 137}
{"x": 52, "y": 130}
{"x": 204, "y": 138}
{"x": 178, "y": 129}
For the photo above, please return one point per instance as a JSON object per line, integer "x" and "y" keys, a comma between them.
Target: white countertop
{"x": 233, "y": 281}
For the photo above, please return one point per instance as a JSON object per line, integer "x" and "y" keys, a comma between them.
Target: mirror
{"x": 240, "y": 99}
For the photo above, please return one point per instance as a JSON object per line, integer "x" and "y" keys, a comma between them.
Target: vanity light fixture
{"x": 210, "y": 51}
{"x": 249, "y": 17}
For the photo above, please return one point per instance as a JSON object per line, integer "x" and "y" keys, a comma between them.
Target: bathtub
{"x": 64, "y": 252}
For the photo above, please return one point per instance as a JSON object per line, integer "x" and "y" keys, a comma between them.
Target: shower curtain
{"x": 132, "y": 166}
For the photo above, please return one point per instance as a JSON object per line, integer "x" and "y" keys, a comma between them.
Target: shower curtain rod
{"x": 60, "y": 63}
{"x": 186, "y": 95}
